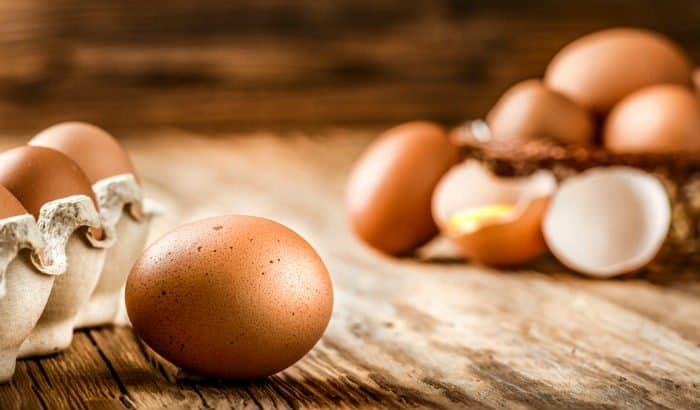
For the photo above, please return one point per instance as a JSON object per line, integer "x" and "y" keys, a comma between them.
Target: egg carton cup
{"x": 678, "y": 173}
{"x": 75, "y": 258}
{"x": 24, "y": 286}
{"x": 126, "y": 219}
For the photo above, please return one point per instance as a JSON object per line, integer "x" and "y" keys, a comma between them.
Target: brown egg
{"x": 600, "y": 69}
{"x": 529, "y": 110}
{"x": 390, "y": 187}
{"x": 233, "y": 297}
{"x": 37, "y": 175}
{"x": 93, "y": 149}
{"x": 656, "y": 119}
{"x": 9, "y": 205}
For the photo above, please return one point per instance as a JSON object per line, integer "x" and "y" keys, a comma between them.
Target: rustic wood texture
{"x": 404, "y": 333}
{"x": 272, "y": 63}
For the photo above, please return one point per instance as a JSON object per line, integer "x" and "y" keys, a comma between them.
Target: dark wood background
{"x": 278, "y": 63}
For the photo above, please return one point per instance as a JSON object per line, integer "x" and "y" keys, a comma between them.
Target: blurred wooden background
{"x": 298, "y": 64}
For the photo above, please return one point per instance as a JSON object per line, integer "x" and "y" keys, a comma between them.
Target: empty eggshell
{"x": 115, "y": 182}
{"x": 493, "y": 220}
{"x": 529, "y": 110}
{"x": 608, "y": 221}
{"x": 53, "y": 189}
{"x": 232, "y": 297}
{"x": 657, "y": 119}
{"x": 600, "y": 69}
{"x": 389, "y": 189}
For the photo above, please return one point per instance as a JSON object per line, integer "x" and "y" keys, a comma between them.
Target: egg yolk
{"x": 470, "y": 219}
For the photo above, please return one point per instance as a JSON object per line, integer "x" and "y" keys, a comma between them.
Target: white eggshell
{"x": 608, "y": 221}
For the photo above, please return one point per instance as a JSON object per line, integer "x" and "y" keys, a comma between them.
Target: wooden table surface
{"x": 404, "y": 333}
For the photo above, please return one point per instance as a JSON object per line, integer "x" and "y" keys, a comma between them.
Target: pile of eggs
{"x": 72, "y": 222}
{"x": 627, "y": 89}
{"x": 630, "y": 91}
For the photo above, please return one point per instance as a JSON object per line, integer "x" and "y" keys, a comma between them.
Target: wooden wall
{"x": 281, "y": 63}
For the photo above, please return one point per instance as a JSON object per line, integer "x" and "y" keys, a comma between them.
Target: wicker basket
{"x": 679, "y": 173}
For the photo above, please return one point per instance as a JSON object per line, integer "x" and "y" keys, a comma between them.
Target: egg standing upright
{"x": 114, "y": 181}
{"x": 24, "y": 287}
{"x": 57, "y": 193}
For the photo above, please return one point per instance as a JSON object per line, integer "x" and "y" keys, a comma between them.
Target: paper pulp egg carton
{"x": 55, "y": 275}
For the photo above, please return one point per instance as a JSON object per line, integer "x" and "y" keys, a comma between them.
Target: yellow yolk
{"x": 469, "y": 219}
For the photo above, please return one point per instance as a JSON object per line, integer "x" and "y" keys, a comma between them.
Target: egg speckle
{"x": 233, "y": 297}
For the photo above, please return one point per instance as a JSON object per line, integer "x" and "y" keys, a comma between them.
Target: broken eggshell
{"x": 125, "y": 222}
{"x": 608, "y": 221}
{"x": 64, "y": 225}
{"x": 493, "y": 220}
{"x": 24, "y": 287}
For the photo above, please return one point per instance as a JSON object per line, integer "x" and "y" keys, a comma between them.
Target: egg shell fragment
{"x": 231, "y": 297}
{"x": 608, "y": 221}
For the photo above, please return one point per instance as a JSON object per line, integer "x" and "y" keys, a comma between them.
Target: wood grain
{"x": 404, "y": 333}
{"x": 271, "y": 63}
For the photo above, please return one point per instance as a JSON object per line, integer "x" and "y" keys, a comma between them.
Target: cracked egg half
{"x": 493, "y": 220}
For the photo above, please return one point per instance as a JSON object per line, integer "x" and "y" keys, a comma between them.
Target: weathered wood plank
{"x": 79, "y": 378}
{"x": 143, "y": 384}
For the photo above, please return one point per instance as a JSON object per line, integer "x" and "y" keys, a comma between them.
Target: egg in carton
{"x": 54, "y": 190}
{"x": 124, "y": 214}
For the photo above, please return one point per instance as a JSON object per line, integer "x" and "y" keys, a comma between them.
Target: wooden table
{"x": 404, "y": 333}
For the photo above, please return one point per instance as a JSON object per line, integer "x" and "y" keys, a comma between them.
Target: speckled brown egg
{"x": 390, "y": 188}
{"x": 232, "y": 297}
{"x": 37, "y": 175}
{"x": 600, "y": 69}
{"x": 529, "y": 110}
{"x": 658, "y": 119}
{"x": 97, "y": 153}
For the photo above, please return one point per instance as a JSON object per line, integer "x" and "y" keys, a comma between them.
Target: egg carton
{"x": 55, "y": 276}
{"x": 678, "y": 173}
